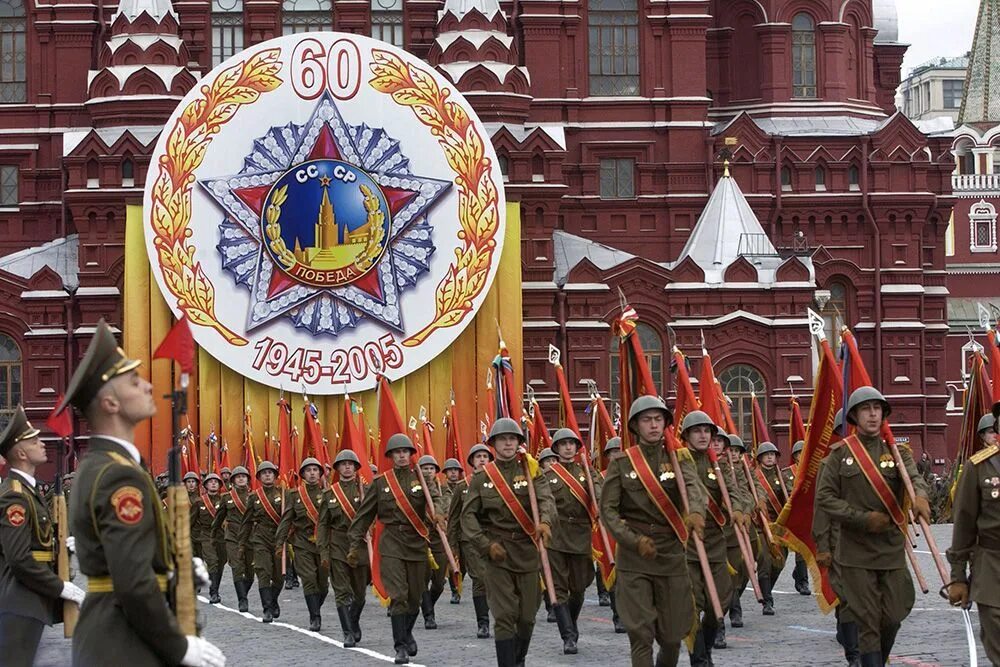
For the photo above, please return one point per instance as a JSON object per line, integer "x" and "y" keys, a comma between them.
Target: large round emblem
{"x": 324, "y": 208}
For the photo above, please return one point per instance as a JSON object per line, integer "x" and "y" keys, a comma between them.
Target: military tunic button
{"x": 386, "y": 489}
{"x": 582, "y": 478}
{"x": 553, "y": 481}
{"x": 632, "y": 475}
{"x": 996, "y": 493}
{"x": 849, "y": 461}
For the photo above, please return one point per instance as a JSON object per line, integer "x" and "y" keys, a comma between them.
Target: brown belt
{"x": 105, "y": 585}
{"x": 515, "y": 535}
{"x": 989, "y": 543}
{"x": 650, "y": 528}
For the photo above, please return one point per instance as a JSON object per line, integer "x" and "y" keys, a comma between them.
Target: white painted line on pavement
{"x": 308, "y": 633}
{"x": 813, "y": 630}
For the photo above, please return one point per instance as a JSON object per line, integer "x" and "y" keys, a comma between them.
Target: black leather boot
{"x": 506, "y": 652}
{"x": 522, "y": 650}
{"x": 482, "y": 608}
{"x": 242, "y": 589}
{"x": 315, "y": 620}
{"x": 550, "y": 614}
{"x": 765, "y": 589}
{"x": 801, "y": 576}
{"x": 699, "y": 652}
{"x": 265, "y": 603}
{"x": 849, "y": 640}
{"x": 215, "y": 578}
{"x": 873, "y": 659}
{"x": 399, "y": 623}
{"x": 720, "y": 637}
{"x": 603, "y": 599}
{"x": 356, "y": 607}
{"x": 456, "y": 597}
{"x": 411, "y": 643}
{"x": 275, "y": 594}
{"x": 427, "y": 609}
{"x": 575, "y": 605}
{"x": 888, "y": 639}
{"x": 344, "y": 612}
{"x": 615, "y": 619}
{"x": 736, "y": 611}
{"x": 565, "y": 621}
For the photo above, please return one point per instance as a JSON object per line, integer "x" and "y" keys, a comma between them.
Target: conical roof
{"x": 981, "y": 98}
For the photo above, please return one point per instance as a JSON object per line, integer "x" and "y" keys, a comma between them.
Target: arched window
{"x": 786, "y": 179}
{"x": 13, "y": 55}
{"x": 652, "y": 347}
{"x": 10, "y": 378}
{"x": 835, "y": 314}
{"x": 387, "y": 21}
{"x": 820, "y": 179}
{"x": 853, "y": 178}
{"x": 227, "y": 29}
{"x": 128, "y": 173}
{"x": 504, "y": 167}
{"x": 299, "y": 16}
{"x": 803, "y": 56}
{"x": 613, "y": 47}
{"x": 739, "y": 382}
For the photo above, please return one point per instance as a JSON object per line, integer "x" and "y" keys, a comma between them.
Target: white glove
{"x": 72, "y": 592}
{"x": 71, "y": 543}
{"x": 200, "y": 573}
{"x": 201, "y": 653}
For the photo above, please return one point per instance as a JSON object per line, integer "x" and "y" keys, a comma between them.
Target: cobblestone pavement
{"x": 797, "y": 635}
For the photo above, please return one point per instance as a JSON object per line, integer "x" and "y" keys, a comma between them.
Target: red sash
{"x": 772, "y": 498}
{"x": 236, "y": 499}
{"x": 268, "y": 507}
{"x": 207, "y": 502}
{"x": 574, "y": 486}
{"x": 310, "y": 507}
{"x": 344, "y": 501}
{"x": 875, "y": 478}
{"x": 509, "y": 499}
{"x": 656, "y": 492}
{"x": 405, "y": 505}
{"x": 716, "y": 511}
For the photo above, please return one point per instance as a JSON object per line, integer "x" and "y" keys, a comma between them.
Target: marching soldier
{"x": 612, "y": 451}
{"x": 227, "y": 477}
{"x": 862, "y": 490}
{"x": 299, "y": 527}
{"x": 733, "y": 469}
{"x": 435, "y": 575}
{"x": 976, "y": 539}
{"x": 468, "y": 556}
{"x": 213, "y": 547}
{"x": 340, "y": 506}
{"x": 571, "y": 554}
{"x": 771, "y": 499}
{"x": 257, "y": 534}
{"x": 546, "y": 458}
{"x": 800, "y": 574}
{"x": 233, "y": 506}
{"x": 397, "y": 499}
{"x": 697, "y": 431}
{"x": 642, "y": 509}
{"x": 119, "y": 525}
{"x": 455, "y": 475}
{"x": 30, "y": 590}
{"x": 497, "y": 519}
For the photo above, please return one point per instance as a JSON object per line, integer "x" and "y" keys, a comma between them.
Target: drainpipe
{"x": 865, "y": 147}
{"x": 561, "y": 310}
{"x": 70, "y": 302}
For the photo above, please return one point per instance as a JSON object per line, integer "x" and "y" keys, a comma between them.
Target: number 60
{"x": 315, "y": 69}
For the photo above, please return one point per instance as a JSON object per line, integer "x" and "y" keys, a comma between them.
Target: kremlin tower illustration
{"x": 334, "y": 245}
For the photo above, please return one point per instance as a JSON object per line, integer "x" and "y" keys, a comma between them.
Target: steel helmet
{"x": 613, "y": 443}
{"x": 349, "y": 456}
{"x": 505, "y": 426}
{"x": 546, "y": 453}
{"x": 310, "y": 462}
{"x": 240, "y": 470}
{"x": 736, "y": 442}
{"x": 863, "y": 395}
{"x": 452, "y": 464}
{"x": 211, "y": 476}
{"x": 697, "y": 418}
{"x": 797, "y": 447}
{"x": 766, "y": 447}
{"x": 838, "y": 422}
{"x": 226, "y": 469}
{"x": 986, "y": 423}
{"x": 191, "y": 475}
{"x": 399, "y": 441}
{"x": 266, "y": 465}
{"x": 566, "y": 434}
{"x": 476, "y": 449}
{"x": 644, "y": 403}
{"x": 428, "y": 460}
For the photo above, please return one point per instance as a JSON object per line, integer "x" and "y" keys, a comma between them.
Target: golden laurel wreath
{"x": 273, "y": 228}
{"x": 376, "y": 231}
{"x": 478, "y": 200}
{"x": 187, "y": 144}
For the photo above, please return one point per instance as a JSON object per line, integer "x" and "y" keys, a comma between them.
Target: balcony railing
{"x": 975, "y": 182}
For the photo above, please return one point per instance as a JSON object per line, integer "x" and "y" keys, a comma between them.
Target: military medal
{"x": 632, "y": 475}
{"x": 711, "y": 475}
{"x": 849, "y": 460}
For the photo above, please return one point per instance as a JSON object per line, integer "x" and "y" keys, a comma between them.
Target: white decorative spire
{"x": 157, "y": 9}
{"x": 462, "y": 7}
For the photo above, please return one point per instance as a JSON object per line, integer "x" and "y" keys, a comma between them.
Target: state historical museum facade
{"x": 612, "y": 119}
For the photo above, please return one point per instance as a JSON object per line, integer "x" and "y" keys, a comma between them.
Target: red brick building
{"x": 612, "y": 119}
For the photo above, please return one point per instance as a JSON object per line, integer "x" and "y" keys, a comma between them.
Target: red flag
{"x": 267, "y": 448}
{"x": 566, "y": 412}
{"x": 686, "y": 401}
{"x": 249, "y": 455}
{"x": 193, "y": 455}
{"x": 759, "y": 425}
{"x": 635, "y": 378}
{"x": 354, "y": 441}
{"x": 708, "y": 392}
{"x": 287, "y": 465}
{"x": 539, "y": 432}
{"x": 428, "y": 429}
{"x": 225, "y": 456}
{"x": 978, "y": 402}
{"x": 794, "y": 524}
{"x": 994, "y": 346}
{"x": 453, "y": 444}
{"x": 796, "y": 429}
{"x": 178, "y": 345}
{"x": 313, "y": 443}
{"x": 507, "y": 401}
{"x": 602, "y": 430}
{"x": 60, "y": 422}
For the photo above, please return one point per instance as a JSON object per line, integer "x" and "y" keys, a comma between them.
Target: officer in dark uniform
{"x": 771, "y": 498}
{"x": 299, "y": 527}
{"x": 340, "y": 504}
{"x": 213, "y": 546}
{"x": 397, "y": 499}
{"x": 257, "y": 534}
{"x": 118, "y": 522}
{"x": 455, "y": 475}
{"x": 233, "y": 506}
{"x": 869, "y": 550}
{"x": 469, "y": 557}
{"x": 571, "y": 554}
{"x": 976, "y": 540}
{"x": 491, "y": 526}
{"x": 30, "y": 591}
{"x": 653, "y": 590}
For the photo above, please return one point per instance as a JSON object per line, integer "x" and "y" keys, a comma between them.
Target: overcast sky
{"x": 935, "y": 28}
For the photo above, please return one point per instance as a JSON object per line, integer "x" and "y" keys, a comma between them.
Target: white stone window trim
{"x": 983, "y": 212}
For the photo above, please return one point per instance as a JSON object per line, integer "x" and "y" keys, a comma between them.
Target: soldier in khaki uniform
{"x": 299, "y": 528}
{"x": 340, "y": 505}
{"x": 771, "y": 498}
{"x": 469, "y": 557}
{"x": 213, "y": 547}
{"x": 435, "y": 575}
{"x": 497, "y": 520}
{"x": 454, "y": 474}
{"x": 119, "y": 525}
{"x": 30, "y": 591}
{"x": 800, "y": 575}
{"x": 653, "y": 590}
{"x": 232, "y": 507}
{"x": 546, "y": 458}
{"x": 976, "y": 538}
{"x": 733, "y": 469}
{"x": 869, "y": 551}
{"x": 697, "y": 431}
{"x": 612, "y": 451}
{"x": 257, "y": 535}
{"x": 570, "y": 555}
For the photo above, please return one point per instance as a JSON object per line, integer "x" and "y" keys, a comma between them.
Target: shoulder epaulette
{"x": 684, "y": 454}
{"x": 15, "y": 486}
{"x": 837, "y": 445}
{"x": 123, "y": 460}
{"x": 984, "y": 454}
